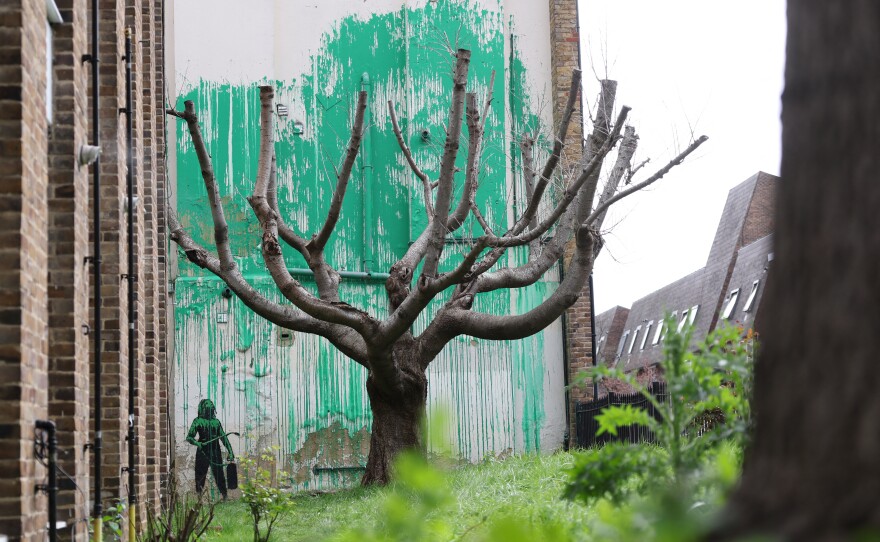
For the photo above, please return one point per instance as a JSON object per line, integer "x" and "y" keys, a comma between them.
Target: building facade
{"x": 728, "y": 289}
{"x": 49, "y": 258}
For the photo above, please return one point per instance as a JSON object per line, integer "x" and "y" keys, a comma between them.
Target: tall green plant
{"x": 183, "y": 517}
{"x": 708, "y": 390}
{"x": 260, "y": 491}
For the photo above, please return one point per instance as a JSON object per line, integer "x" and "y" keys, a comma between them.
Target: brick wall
{"x": 565, "y": 57}
{"x": 23, "y": 260}
{"x": 161, "y": 422}
{"x": 45, "y": 235}
{"x": 68, "y": 277}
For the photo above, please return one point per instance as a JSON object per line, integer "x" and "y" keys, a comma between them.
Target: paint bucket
{"x": 232, "y": 475}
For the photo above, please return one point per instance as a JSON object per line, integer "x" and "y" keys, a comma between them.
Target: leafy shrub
{"x": 265, "y": 500}
{"x": 183, "y": 517}
{"x": 666, "y": 491}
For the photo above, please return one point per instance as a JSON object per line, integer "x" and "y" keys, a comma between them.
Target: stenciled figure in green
{"x": 210, "y": 434}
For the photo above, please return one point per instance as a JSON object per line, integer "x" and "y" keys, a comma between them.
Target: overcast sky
{"x": 712, "y": 67}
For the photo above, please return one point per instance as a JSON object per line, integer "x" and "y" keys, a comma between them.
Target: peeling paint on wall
{"x": 296, "y": 391}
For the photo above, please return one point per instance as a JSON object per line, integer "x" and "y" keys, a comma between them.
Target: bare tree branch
{"x": 337, "y": 313}
{"x": 221, "y": 229}
{"x": 457, "y": 318}
{"x": 319, "y": 241}
{"x": 447, "y": 165}
{"x": 527, "y": 148}
{"x": 349, "y": 343}
{"x": 568, "y": 195}
{"x": 628, "y": 146}
{"x": 633, "y": 171}
{"x": 553, "y": 160}
{"x": 407, "y": 153}
{"x": 647, "y": 182}
{"x": 476, "y": 128}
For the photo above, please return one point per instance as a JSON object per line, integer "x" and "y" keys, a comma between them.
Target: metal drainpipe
{"x": 52, "y": 487}
{"x": 593, "y": 337}
{"x": 566, "y": 436}
{"x": 344, "y": 274}
{"x": 132, "y": 325}
{"x": 367, "y": 178}
{"x": 97, "y": 509}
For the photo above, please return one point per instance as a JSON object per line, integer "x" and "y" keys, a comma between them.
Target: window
{"x": 683, "y": 320}
{"x": 632, "y": 345}
{"x": 692, "y": 316}
{"x": 645, "y": 336}
{"x": 750, "y": 301}
{"x": 674, "y": 315}
{"x": 661, "y": 331}
{"x": 731, "y": 304}
{"x": 622, "y": 343}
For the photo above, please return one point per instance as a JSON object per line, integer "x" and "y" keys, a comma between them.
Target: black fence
{"x": 586, "y": 413}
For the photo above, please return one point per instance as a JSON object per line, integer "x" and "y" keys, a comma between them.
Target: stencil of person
{"x": 210, "y": 434}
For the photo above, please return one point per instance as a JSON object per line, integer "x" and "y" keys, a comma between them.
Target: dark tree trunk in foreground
{"x": 397, "y": 361}
{"x": 813, "y": 471}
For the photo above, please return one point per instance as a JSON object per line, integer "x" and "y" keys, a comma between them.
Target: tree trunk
{"x": 813, "y": 470}
{"x": 398, "y": 406}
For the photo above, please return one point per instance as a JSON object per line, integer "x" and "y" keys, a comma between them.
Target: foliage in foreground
{"x": 265, "y": 499}
{"x": 667, "y": 491}
{"x": 473, "y": 502}
{"x": 184, "y": 517}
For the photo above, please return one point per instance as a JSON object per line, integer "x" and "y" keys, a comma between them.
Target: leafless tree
{"x": 396, "y": 360}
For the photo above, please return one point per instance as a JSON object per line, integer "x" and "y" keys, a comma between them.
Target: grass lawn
{"x": 524, "y": 487}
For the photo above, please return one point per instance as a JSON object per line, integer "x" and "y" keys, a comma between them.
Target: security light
{"x": 88, "y": 154}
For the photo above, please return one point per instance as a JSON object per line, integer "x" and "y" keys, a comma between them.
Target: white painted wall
{"x": 229, "y": 41}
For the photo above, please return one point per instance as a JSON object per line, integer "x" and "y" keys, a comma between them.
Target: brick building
{"x": 46, "y": 205}
{"x": 729, "y": 288}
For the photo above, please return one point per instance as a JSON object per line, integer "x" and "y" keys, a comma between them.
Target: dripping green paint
{"x": 285, "y": 393}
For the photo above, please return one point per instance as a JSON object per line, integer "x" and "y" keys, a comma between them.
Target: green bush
{"x": 266, "y": 501}
{"x": 642, "y": 491}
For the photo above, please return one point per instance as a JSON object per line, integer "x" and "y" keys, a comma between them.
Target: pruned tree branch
{"x": 427, "y": 189}
{"x": 647, "y": 182}
{"x": 553, "y": 160}
{"x": 334, "y": 312}
{"x": 568, "y": 195}
{"x": 476, "y": 129}
{"x": 319, "y": 241}
{"x": 349, "y": 343}
{"x": 447, "y": 165}
{"x": 628, "y": 146}
{"x": 221, "y": 229}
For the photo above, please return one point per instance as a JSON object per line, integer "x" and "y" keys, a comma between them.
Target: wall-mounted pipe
{"x": 566, "y": 367}
{"x": 52, "y": 486}
{"x": 97, "y": 508}
{"x": 367, "y": 178}
{"x": 593, "y": 338}
{"x": 365, "y": 275}
{"x": 129, "y": 275}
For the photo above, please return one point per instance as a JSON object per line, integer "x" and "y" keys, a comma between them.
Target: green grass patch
{"x": 476, "y": 497}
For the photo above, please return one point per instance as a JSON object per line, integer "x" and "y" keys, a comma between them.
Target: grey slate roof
{"x": 738, "y": 258}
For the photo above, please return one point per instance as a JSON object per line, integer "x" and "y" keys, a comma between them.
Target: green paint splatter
{"x": 315, "y": 387}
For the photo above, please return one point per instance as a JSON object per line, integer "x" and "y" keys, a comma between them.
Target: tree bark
{"x": 398, "y": 406}
{"x": 813, "y": 470}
